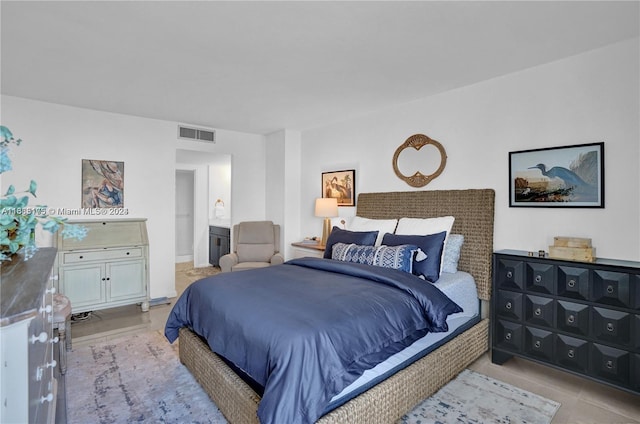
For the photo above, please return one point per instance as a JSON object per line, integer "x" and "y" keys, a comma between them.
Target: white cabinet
{"x": 108, "y": 268}
{"x": 28, "y": 389}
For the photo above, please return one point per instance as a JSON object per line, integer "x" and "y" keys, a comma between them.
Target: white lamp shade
{"x": 327, "y": 207}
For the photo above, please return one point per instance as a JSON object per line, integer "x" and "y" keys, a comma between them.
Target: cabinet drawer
{"x": 539, "y": 310}
{"x": 539, "y": 343}
{"x": 611, "y": 326}
{"x": 540, "y": 277}
{"x": 611, "y": 288}
{"x": 611, "y": 364}
{"x": 572, "y": 318}
{"x": 101, "y": 255}
{"x": 508, "y": 335}
{"x": 573, "y": 282}
{"x": 572, "y": 353}
{"x": 509, "y": 305}
{"x": 510, "y": 274}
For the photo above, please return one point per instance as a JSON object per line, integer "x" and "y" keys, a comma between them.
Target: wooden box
{"x": 584, "y": 254}
{"x": 571, "y": 242}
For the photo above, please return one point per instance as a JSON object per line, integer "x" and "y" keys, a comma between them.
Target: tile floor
{"x": 583, "y": 401}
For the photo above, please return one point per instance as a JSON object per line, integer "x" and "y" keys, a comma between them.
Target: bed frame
{"x": 389, "y": 400}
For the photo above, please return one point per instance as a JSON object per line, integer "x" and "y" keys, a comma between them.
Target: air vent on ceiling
{"x": 198, "y": 134}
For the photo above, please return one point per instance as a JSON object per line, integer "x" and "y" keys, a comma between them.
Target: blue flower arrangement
{"x": 18, "y": 220}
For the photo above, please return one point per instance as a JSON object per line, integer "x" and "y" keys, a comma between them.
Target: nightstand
{"x": 300, "y": 250}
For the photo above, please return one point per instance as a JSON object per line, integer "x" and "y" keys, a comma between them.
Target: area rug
{"x": 139, "y": 378}
{"x": 475, "y": 398}
{"x": 134, "y": 379}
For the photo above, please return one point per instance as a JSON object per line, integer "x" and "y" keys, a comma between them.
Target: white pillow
{"x": 383, "y": 226}
{"x": 426, "y": 226}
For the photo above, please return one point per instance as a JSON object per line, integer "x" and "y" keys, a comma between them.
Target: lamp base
{"x": 326, "y": 230}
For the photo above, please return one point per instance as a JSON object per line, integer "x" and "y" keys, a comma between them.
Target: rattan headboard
{"x": 473, "y": 211}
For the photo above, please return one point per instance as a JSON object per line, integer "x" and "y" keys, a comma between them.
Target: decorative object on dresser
{"x": 326, "y": 208}
{"x": 108, "y": 268}
{"x": 219, "y": 243}
{"x": 561, "y": 177}
{"x": 418, "y": 141}
{"x": 28, "y": 389}
{"x": 573, "y": 249}
{"x": 340, "y": 185}
{"x": 577, "y": 316}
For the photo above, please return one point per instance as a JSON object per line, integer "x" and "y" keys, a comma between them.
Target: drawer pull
{"x": 42, "y": 337}
{"x": 509, "y": 274}
{"x": 571, "y": 284}
{"x": 55, "y": 340}
{"x": 537, "y": 344}
{"x": 507, "y": 336}
{"x": 51, "y": 364}
{"x": 537, "y": 311}
{"x": 609, "y": 364}
{"x": 508, "y": 305}
{"x": 128, "y": 253}
{"x": 52, "y": 290}
{"x": 47, "y": 398}
{"x": 610, "y": 327}
{"x": 610, "y": 289}
{"x": 571, "y": 353}
{"x": 81, "y": 257}
{"x": 571, "y": 319}
{"x": 46, "y": 309}
{"x": 538, "y": 278}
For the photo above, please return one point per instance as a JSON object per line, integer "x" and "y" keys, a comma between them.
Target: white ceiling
{"x": 263, "y": 66}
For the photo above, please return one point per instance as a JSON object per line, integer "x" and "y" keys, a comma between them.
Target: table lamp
{"x": 327, "y": 208}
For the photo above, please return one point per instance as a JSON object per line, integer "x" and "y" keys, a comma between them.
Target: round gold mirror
{"x": 418, "y": 141}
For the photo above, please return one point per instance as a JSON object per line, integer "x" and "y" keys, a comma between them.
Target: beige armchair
{"x": 256, "y": 244}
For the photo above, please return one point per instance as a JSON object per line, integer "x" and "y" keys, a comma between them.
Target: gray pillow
{"x": 451, "y": 254}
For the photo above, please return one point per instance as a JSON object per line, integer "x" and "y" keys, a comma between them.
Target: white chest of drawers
{"x": 108, "y": 268}
{"x": 27, "y": 385}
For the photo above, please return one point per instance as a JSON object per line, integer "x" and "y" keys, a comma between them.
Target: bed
{"x": 389, "y": 399}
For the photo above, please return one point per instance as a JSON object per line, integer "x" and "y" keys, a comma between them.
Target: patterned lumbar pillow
{"x": 397, "y": 257}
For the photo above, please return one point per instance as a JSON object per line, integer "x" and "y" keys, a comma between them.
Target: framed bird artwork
{"x": 567, "y": 176}
{"x": 340, "y": 185}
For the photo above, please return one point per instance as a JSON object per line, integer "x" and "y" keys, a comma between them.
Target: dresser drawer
{"x": 510, "y": 274}
{"x": 573, "y": 282}
{"x": 508, "y": 335}
{"x": 509, "y": 305}
{"x": 101, "y": 255}
{"x": 611, "y": 326}
{"x": 572, "y": 318}
{"x": 539, "y": 343}
{"x": 540, "y": 277}
{"x": 572, "y": 353}
{"x": 539, "y": 310}
{"x": 611, "y": 364}
{"x": 611, "y": 288}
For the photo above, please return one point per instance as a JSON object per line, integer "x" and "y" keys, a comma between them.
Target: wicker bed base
{"x": 383, "y": 403}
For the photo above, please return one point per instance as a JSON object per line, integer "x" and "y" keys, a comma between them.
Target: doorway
{"x": 184, "y": 215}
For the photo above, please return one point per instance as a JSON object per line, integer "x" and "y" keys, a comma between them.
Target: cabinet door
{"x": 125, "y": 280}
{"x": 83, "y": 285}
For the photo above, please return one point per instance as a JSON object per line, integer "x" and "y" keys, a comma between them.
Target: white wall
{"x": 56, "y": 138}
{"x": 586, "y": 98}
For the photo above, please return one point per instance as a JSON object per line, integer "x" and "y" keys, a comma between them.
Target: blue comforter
{"x": 306, "y": 329}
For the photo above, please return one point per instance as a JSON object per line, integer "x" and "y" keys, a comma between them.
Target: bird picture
{"x": 563, "y": 175}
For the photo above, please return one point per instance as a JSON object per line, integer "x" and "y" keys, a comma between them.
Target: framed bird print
{"x": 566, "y": 177}
{"x": 341, "y": 185}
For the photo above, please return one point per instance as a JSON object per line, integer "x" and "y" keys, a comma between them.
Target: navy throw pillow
{"x": 432, "y": 245}
{"x": 363, "y": 238}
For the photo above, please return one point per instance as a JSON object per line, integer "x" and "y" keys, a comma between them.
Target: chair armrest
{"x": 277, "y": 259}
{"x": 228, "y": 261}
